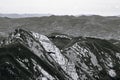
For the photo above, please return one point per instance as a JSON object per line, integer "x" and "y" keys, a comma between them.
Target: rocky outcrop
{"x": 33, "y": 56}
{"x": 26, "y": 55}
{"x": 94, "y": 59}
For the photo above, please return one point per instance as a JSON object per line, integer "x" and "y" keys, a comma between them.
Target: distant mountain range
{"x": 88, "y": 26}
{"x": 23, "y": 15}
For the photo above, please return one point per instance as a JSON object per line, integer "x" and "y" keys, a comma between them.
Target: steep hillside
{"x": 26, "y": 55}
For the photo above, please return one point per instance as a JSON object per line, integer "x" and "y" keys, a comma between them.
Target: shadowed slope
{"x": 27, "y": 55}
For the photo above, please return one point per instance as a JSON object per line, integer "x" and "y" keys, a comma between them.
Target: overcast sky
{"x": 61, "y": 7}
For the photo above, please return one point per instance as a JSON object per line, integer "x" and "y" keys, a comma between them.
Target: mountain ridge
{"x": 29, "y": 55}
{"x": 22, "y": 15}
{"x": 88, "y": 26}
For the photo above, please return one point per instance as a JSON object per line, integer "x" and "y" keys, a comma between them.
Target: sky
{"x": 61, "y": 7}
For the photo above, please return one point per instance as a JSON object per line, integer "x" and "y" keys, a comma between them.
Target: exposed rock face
{"x": 94, "y": 59}
{"x": 26, "y": 55}
{"x": 32, "y": 55}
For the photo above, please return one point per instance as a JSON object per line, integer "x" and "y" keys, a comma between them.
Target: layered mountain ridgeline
{"x": 93, "y": 25}
{"x": 23, "y": 15}
{"x": 26, "y": 55}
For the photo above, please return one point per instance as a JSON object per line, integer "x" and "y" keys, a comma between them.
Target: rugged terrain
{"x": 26, "y": 55}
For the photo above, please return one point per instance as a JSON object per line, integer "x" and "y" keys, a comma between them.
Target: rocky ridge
{"x": 26, "y": 55}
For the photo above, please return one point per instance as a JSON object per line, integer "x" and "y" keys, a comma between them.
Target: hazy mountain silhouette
{"x": 23, "y": 15}
{"x": 93, "y": 26}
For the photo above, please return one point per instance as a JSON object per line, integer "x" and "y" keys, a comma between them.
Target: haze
{"x": 61, "y": 7}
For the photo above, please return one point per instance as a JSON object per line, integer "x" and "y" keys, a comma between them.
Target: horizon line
{"x": 59, "y": 14}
